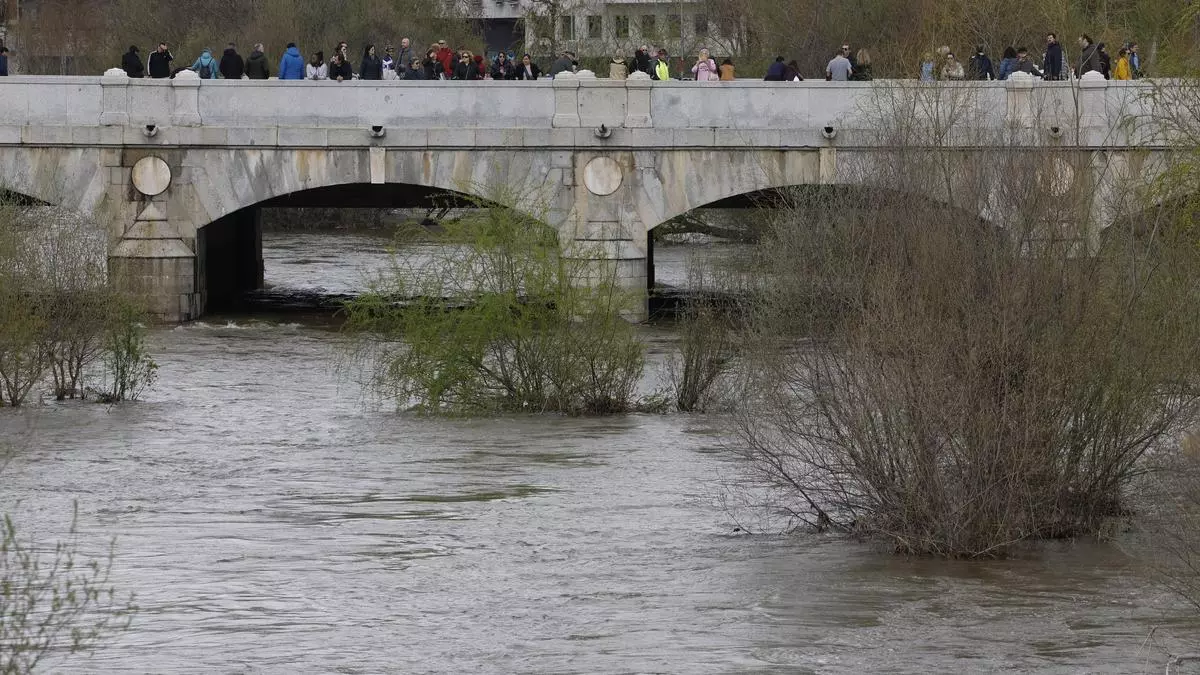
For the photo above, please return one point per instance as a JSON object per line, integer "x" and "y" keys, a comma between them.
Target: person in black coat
{"x": 465, "y": 69}
{"x": 339, "y": 69}
{"x": 502, "y": 68}
{"x": 1052, "y": 62}
{"x": 528, "y": 70}
{"x": 372, "y": 66}
{"x": 1105, "y": 61}
{"x": 131, "y": 63}
{"x": 432, "y": 66}
{"x": 232, "y": 67}
{"x": 642, "y": 62}
{"x": 160, "y": 62}
{"x": 415, "y": 70}
{"x": 980, "y": 66}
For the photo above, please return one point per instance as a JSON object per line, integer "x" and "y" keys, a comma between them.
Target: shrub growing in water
{"x": 486, "y": 316}
{"x": 975, "y": 385}
{"x": 58, "y": 313}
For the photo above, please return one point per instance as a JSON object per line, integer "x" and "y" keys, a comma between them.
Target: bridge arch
{"x": 221, "y": 182}
{"x": 682, "y": 182}
{"x": 229, "y": 251}
{"x": 76, "y": 179}
{"x": 755, "y": 179}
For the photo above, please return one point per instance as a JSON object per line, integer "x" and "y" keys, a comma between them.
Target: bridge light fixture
{"x": 377, "y": 131}
{"x": 150, "y": 130}
{"x": 1056, "y": 132}
{"x": 829, "y": 132}
{"x": 602, "y": 131}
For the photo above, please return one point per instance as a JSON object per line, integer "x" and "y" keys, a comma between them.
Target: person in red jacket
{"x": 445, "y": 56}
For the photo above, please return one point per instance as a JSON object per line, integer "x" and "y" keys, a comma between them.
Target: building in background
{"x": 594, "y": 28}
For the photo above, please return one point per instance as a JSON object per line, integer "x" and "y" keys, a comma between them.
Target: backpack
{"x": 206, "y": 71}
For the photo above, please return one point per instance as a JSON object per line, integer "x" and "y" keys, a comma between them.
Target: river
{"x": 273, "y": 519}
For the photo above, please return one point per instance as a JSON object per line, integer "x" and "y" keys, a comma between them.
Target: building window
{"x": 649, "y": 29}
{"x": 566, "y": 28}
{"x": 595, "y": 26}
{"x": 674, "y": 26}
{"x": 700, "y": 21}
{"x": 621, "y": 26}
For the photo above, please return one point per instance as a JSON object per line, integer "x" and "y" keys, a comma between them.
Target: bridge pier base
{"x": 155, "y": 264}
{"x": 607, "y": 257}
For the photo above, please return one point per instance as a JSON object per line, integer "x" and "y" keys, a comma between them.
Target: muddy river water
{"x": 271, "y": 518}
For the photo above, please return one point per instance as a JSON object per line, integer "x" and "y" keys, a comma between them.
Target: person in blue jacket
{"x": 206, "y": 66}
{"x": 291, "y": 66}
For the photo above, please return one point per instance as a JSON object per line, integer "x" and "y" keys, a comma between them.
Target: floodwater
{"x": 273, "y": 519}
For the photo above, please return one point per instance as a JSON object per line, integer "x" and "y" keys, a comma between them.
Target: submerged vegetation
{"x": 487, "y": 316}
{"x": 62, "y": 324}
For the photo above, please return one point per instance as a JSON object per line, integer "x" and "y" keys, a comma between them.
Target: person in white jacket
{"x": 705, "y": 69}
{"x": 317, "y": 69}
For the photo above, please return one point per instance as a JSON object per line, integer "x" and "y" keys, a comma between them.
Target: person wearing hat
{"x": 565, "y": 63}
{"x": 617, "y": 70}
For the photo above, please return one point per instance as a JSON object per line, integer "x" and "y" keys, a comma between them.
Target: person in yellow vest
{"x": 1122, "y": 70}
{"x": 662, "y": 71}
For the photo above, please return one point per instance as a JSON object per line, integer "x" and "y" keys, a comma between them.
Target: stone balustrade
{"x": 544, "y": 113}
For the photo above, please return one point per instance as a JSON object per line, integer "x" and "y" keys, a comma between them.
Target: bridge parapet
{"x": 447, "y": 114}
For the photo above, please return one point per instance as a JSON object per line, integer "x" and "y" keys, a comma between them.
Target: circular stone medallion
{"x": 151, "y": 176}
{"x": 602, "y": 176}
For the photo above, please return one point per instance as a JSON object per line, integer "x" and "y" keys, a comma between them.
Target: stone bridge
{"x": 177, "y": 170}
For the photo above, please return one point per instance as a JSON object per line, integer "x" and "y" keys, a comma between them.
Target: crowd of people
{"x": 1054, "y": 64}
{"x": 439, "y": 62}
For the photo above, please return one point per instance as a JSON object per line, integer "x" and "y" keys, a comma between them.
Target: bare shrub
{"x": 54, "y": 601}
{"x": 969, "y": 384}
{"x": 707, "y": 326}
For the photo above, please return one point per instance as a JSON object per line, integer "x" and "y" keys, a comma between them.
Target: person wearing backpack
{"x": 206, "y": 66}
